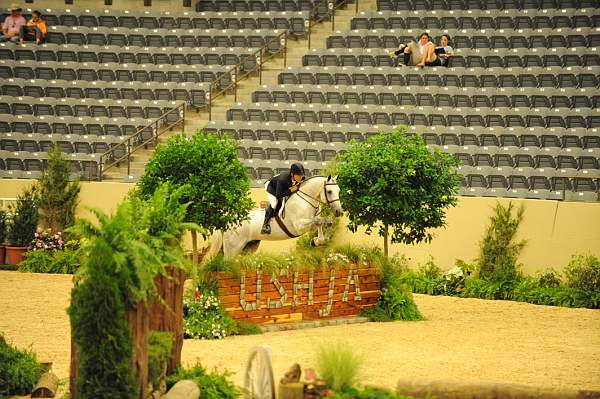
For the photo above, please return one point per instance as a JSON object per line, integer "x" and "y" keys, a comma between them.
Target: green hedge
{"x": 19, "y": 370}
{"x": 577, "y": 291}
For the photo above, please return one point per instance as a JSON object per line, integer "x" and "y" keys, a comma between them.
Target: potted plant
{"x": 2, "y": 234}
{"x": 22, "y": 226}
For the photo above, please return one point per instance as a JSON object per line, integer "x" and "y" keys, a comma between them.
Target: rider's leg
{"x": 269, "y": 213}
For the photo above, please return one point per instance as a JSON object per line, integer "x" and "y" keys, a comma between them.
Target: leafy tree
{"x": 24, "y": 219}
{"x": 215, "y": 181}
{"x": 58, "y": 196}
{"x": 393, "y": 180}
{"x": 499, "y": 250}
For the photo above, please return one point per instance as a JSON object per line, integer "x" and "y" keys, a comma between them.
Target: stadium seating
{"x": 531, "y": 129}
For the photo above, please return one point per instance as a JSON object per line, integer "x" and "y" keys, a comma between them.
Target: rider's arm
{"x": 282, "y": 190}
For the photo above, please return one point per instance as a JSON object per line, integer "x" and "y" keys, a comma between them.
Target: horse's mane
{"x": 310, "y": 178}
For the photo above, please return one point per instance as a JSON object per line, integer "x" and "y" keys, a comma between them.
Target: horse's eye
{"x": 328, "y": 191}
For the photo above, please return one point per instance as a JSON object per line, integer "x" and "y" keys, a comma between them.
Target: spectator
{"x": 35, "y": 29}
{"x": 439, "y": 55}
{"x": 414, "y": 52}
{"x": 11, "y": 28}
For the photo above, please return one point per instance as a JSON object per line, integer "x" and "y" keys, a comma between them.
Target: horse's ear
{"x": 329, "y": 178}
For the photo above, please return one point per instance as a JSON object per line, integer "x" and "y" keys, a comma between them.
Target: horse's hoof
{"x": 313, "y": 243}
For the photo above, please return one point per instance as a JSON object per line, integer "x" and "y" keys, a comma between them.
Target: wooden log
{"x": 482, "y": 390}
{"x": 292, "y": 390}
{"x": 166, "y": 313}
{"x": 138, "y": 319}
{"x": 46, "y": 386}
{"x": 184, "y": 389}
{"x": 73, "y": 369}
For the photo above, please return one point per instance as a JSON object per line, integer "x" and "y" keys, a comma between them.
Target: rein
{"x": 318, "y": 209}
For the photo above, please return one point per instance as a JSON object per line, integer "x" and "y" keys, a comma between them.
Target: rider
{"x": 281, "y": 186}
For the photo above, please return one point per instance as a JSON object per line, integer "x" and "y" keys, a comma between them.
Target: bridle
{"x": 317, "y": 206}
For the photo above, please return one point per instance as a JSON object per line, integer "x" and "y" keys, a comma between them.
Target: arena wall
{"x": 554, "y": 230}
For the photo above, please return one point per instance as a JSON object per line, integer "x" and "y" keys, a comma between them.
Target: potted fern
{"x": 22, "y": 226}
{"x": 2, "y": 234}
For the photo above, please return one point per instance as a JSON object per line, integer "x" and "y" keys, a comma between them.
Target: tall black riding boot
{"x": 266, "y": 228}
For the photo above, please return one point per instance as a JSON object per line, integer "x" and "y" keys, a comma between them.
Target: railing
{"x": 144, "y": 136}
{"x": 252, "y": 63}
{"x": 316, "y": 16}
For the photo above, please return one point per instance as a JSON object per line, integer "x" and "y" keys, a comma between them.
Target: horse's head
{"x": 331, "y": 196}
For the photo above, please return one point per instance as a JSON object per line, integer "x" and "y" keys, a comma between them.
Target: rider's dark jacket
{"x": 280, "y": 184}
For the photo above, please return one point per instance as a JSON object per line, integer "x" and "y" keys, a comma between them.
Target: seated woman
{"x": 438, "y": 56}
{"x": 35, "y": 29}
{"x": 414, "y": 52}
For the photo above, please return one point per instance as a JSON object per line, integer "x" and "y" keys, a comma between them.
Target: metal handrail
{"x": 237, "y": 72}
{"x": 332, "y": 5}
{"x": 135, "y": 141}
{"x": 229, "y": 80}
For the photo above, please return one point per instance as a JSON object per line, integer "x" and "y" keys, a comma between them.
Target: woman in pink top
{"x": 11, "y": 28}
{"x": 414, "y": 52}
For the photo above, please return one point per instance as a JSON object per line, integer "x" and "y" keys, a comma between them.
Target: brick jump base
{"x": 285, "y": 296}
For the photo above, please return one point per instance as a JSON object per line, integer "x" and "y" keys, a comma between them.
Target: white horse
{"x": 300, "y": 215}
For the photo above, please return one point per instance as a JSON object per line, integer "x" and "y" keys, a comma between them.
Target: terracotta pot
{"x": 2, "y": 252}
{"x": 14, "y": 255}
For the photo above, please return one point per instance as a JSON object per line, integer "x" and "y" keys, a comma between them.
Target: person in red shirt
{"x": 11, "y": 28}
{"x": 35, "y": 29}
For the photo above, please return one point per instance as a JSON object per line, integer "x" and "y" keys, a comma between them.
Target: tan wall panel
{"x": 554, "y": 230}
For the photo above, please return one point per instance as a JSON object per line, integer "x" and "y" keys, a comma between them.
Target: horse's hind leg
{"x": 233, "y": 247}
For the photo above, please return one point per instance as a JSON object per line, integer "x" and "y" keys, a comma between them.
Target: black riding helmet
{"x": 297, "y": 169}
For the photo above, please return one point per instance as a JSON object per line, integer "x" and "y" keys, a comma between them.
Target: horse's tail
{"x": 216, "y": 243}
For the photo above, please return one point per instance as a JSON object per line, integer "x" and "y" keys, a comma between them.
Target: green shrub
{"x": 61, "y": 262}
{"x": 160, "y": 346}
{"x": 394, "y": 303}
{"x": 20, "y": 370}
{"x": 548, "y": 279}
{"x": 58, "y": 196}
{"x": 583, "y": 273}
{"x": 36, "y": 262}
{"x": 3, "y": 217}
{"x": 369, "y": 393}
{"x": 483, "y": 289}
{"x": 338, "y": 365}
{"x": 24, "y": 220}
{"x": 212, "y": 385}
{"x": 499, "y": 249}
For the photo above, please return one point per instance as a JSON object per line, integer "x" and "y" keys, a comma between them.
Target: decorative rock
{"x": 184, "y": 389}
{"x": 293, "y": 375}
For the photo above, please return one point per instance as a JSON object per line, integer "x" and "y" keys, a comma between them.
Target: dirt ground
{"x": 462, "y": 339}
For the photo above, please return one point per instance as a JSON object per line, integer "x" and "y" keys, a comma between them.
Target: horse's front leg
{"x": 306, "y": 225}
{"x": 320, "y": 238}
